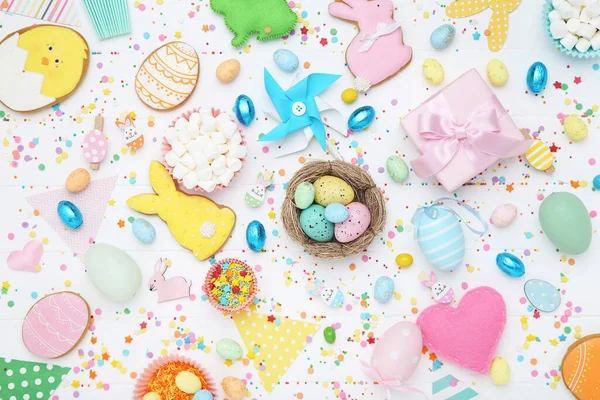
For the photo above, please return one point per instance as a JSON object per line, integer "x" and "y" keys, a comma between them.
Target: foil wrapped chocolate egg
{"x": 244, "y": 109}
{"x": 256, "y": 236}
{"x": 510, "y": 264}
{"x": 69, "y": 214}
{"x": 537, "y": 77}
{"x": 361, "y": 118}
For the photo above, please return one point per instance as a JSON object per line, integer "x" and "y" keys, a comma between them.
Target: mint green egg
{"x": 315, "y": 225}
{"x": 304, "y": 195}
{"x": 566, "y": 222}
{"x": 229, "y": 349}
{"x": 397, "y": 169}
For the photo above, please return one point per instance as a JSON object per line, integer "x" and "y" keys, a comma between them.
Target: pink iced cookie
{"x": 358, "y": 221}
{"x": 55, "y": 324}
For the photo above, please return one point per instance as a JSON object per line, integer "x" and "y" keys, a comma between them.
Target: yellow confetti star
{"x": 106, "y": 92}
{"x": 99, "y": 385}
{"x": 111, "y": 202}
{"x": 553, "y": 342}
{"x": 178, "y": 35}
{"x": 75, "y": 383}
{"x": 114, "y": 363}
{"x": 229, "y": 363}
{"x": 132, "y": 114}
{"x": 530, "y": 338}
{"x": 524, "y": 319}
{"x": 272, "y": 215}
{"x": 92, "y": 106}
{"x": 5, "y": 285}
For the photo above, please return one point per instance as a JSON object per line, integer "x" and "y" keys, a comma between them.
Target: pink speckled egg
{"x": 358, "y": 221}
{"x": 503, "y": 215}
{"x": 55, "y": 324}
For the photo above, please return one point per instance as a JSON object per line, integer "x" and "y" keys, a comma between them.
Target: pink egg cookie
{"x": 358, "y": 221}
{"x": 55, "y": 324}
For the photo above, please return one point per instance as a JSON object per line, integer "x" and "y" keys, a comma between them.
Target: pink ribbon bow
{"x": 390, "y": 384}
{"x": 479, "y": 136}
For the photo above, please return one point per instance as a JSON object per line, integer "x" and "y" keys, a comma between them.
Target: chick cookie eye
{"x": 50, "y": 48}
{"x": 57, "y": 61}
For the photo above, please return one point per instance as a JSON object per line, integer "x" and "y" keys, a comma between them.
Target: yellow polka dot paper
{"x": 497, "y": 30}
{"x": 29, "y": 380}
{"x": 273, "y": 343}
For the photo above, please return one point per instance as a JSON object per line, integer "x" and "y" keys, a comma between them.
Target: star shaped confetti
{"x": 476, "y": 36}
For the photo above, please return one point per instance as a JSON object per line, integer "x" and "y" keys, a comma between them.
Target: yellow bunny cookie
{"x": 498, "y": 27}
{"x": 197, "y": 223}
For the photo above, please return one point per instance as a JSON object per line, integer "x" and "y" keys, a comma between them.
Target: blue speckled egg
{"x": 336, "y": 213}
{"x": 143, "y": 231}
{"x": 361, "y": 118}
{"x": 510, "y": 264}
{"x": 69, "y": 214}
{"x": 244, "y": 110}
{"x": 286, "y": 60}
{"x": 203, "y": 395}
{"x": 256, "y": 236}
{"x": 315, "y": 225}
{"x": 384, "y": 289}
{"x": 442, "y": 36}
{"x": 537, "y": 77}
{"x": 542, "y": 295}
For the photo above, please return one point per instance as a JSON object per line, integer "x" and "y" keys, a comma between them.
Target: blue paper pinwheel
{"x": 297, "y": 107}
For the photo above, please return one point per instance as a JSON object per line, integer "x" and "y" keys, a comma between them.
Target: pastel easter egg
{"x": 581, "y": 368}
{"x": 397, "y": 168}
{"x": 500, "y": 371}
{"x": 331, "y": 189}
{"x": 228, "y": 70}
{"x": 503, "y": 215}
{"x": 188, "y": 382}
{"x": 349, "y": 96}
{"x": 361, "y": 118}
{"x": 329, "y": 335}
{"x": 537, "y": 77}
{"x": 234, "y": 388}
{"x": 566, "y": 222}
{"x": 244, "y": 110}
{"x": 229, "y": 349}
{"x": 69, "y": 214}
{"x": 510, "y": 264}
{"x": 542, "y": 295}
{"x": 203, "y": 395}
{"x": 256, "y": 236}
{"x": 442, "y": 36}
{"x": 539, "y": 156}
{"x": 143, "y": 230}
{"x": 286, "y": 60}
{"x": 404, "y": 260}
{"x": 359, "y": 220}
{"x": 384, "y": 289}
{"x": 167, "y": 78}
{"x": 152, "y": 396}
{"x": 55, "y": 324}
{"x": 433, "y": 71}
{"x": 596, "y": 182}
{"x": 336, "y": 213}
{"x": 304, "y": 195}
{"x": 77, "y": 180}
{"x": 441, "y": 239}
{"x": 315, "y": 225}
{"x": 497, "y": 72}
{"x": 575, "y": 128}
{"x": 113, "y": 272}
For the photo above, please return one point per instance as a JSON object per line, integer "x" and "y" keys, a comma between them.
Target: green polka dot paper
{"x": 24, "y": 380}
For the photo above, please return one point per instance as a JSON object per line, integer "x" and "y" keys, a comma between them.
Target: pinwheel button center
{"x": 299, "y": 109}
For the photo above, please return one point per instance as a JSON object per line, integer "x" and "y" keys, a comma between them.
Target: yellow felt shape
{"x": 196, "y": 222}
{"x": 498, "y": 27}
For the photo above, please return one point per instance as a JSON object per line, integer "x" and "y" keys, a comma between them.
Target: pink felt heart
{"x": 27, "y": 259}
{"x": 469, "y": 334}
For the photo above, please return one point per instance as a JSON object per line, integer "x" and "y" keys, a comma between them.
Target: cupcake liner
{"x": 141, "y": 384}
{"x": 166, "y": 147}
{"x": 573, "y": 52}
{"x": 213, "y": 301}
{"x": 110, "y": 18}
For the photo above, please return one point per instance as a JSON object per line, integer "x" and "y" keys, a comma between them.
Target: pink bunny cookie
{"x": 168, "y": 289}
{"x": 378, "y": 51}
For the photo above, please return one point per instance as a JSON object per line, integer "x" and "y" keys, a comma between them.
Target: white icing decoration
{"x": 362, "y": 84}
{"x": 208, "y": 230}
{"x": 383, "y": 29}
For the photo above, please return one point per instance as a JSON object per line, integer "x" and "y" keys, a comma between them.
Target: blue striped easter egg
{"x": 441, "y": 238}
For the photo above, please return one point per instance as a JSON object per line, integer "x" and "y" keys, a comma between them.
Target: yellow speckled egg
{"x": 77, "y": 180}
{"x": 575, "y": 128}
{"x": 404, "y": 260}
{"x": 228, "y": 70}
{"x": 331, "y": 189}
{"x": 349, "y": 96}
{"x": 188, "y": 382}
{"x": 433, "y": 71}
{"x": 234, "y": 388}
{"x": 497, "y": 72}
{"x": 500, "y": 371}
{"x": 152, "y": 396}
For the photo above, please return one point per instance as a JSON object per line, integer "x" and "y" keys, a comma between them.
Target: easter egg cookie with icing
{"x": 41, "y": 66}
{"x": 581, "y": 368}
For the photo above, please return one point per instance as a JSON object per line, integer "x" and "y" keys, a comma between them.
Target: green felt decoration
{"x": 110, "y": 18}
{"x": 269, "y": 19}
{"x": 29, "y": 380}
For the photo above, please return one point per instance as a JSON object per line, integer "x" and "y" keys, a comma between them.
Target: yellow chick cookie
{"x": 40, "y": 66}
{"x": 196, "y": 222}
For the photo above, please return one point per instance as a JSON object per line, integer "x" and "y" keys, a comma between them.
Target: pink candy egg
{"x": 503, "y": 215}
{"x": 358, "y": 221}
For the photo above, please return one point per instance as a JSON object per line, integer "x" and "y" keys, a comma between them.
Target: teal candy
{"x": 566, "y": 222}
{"x": 69, "y": 214}
{"x": 256, "y": 236}
{"x": 304, "y": 195}
{"x": 361, "y": 118}
{"x": 143, "y": 231}
{"x": 203, "y": 395}
{"x": 537, "y": 77}
{"x": 244, "y": 110}
{"x": 397, "y": 169}
{"x": 315, "y": 225}
{"x": 597, "y": 182}
{"x": 384, "y": 289}
{"x": 510, "y": 264}
{"x": 441, "y": 238}
{"x": 229, "y": 349}
{"x": 286, "y": 60}
{"x": 442, "y": 36}
{"x": 336, "y": 213}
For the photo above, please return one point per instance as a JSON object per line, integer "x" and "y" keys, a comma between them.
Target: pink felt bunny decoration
{"x": 378, "y": 51}
{"x": 168, "y": 289}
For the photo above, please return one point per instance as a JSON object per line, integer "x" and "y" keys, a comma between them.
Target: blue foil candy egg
{"x": 143, "y": 231}
{"x": 361, "y": 118}
{"x": 244, "y": 109}
{"x": 510, "y": 264}
{"x": 542, "y": 295}
{"x": 69, "y": 214}
{"x": 537, "y": 77}
{"x": 384, "y": 289}
{"x": 256, "y": 236}
{"x": 442, "y": 36}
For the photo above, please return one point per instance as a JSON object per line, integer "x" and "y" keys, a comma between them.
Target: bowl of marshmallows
{"x": 574, "y": 25}
{"x": 204, "y": 149}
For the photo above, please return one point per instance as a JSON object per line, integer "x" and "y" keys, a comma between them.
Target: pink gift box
{"x": 473, "y": 125}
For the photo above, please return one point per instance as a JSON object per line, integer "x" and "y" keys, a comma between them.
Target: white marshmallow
{"x": 190, "y": 181}
{"x": 193, "y": 131}
{"x": 236, "y": 139}
{"x": 208, "y": 186}
{"x": 558, "y": 29}
{"x": 195, "y": 119}
{"x": 593, "y": 10}
{"x": 557, "y": 3}
{"x": 188, "y": 161}
{"x": 234, "y": 164}
{"x": 576, "y": 3}
{"x": 584, "y": 16}
{"x": 583, "y": 45}
{"x": 226, "y": 126}
{"x": 219, "y": 165}
{"x": 596, "y": 41}
{"x": 181, "y": 124}
{"x": 554, "y": 15}
{"x": 573, "y": 25}
{"x": 567, "y": 11}
{"x": 217, "y": 138}
{"x": 183, "y": 136}
{"x": 199, "y": 159}
{"x": 237, "y": 151}
{"x": 595, "y": 22}
{"x": 226, "y": 177}
{"x": 180, "y": 171}
{"x": 223, "y": 148}
{"x": 178, "y": 148}
{"x": 209, "y": 123}
{"x": 171, "y": 134}
{"x": 210, "y": 151}
{"x": 204, "y": 174}
{"x": 171, "y": 158}
{"x": 586, "y": 31}
{"x": 569, "y": 41}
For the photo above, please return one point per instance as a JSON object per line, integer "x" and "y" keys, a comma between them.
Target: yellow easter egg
{"x": 77, "y": 180}
{"x": 575, "y": 128}
{"x": 404, "y": 260}
{"x": 500, "y": 371}
{"x": 234, "y": 388}
{"x": 188, "y": 382}
{"x": 331, "y": 189}
{"x": 433, "y": 71}
{"x": 152, "y": 396}
{"x": 497, "y": 72}
{"x": 349, "y": 96}
{"x": 228, "y": 70}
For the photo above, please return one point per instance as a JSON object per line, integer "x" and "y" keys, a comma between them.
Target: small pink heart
{"x": 469, "y": 334}
{"x": 27, "y": 259}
